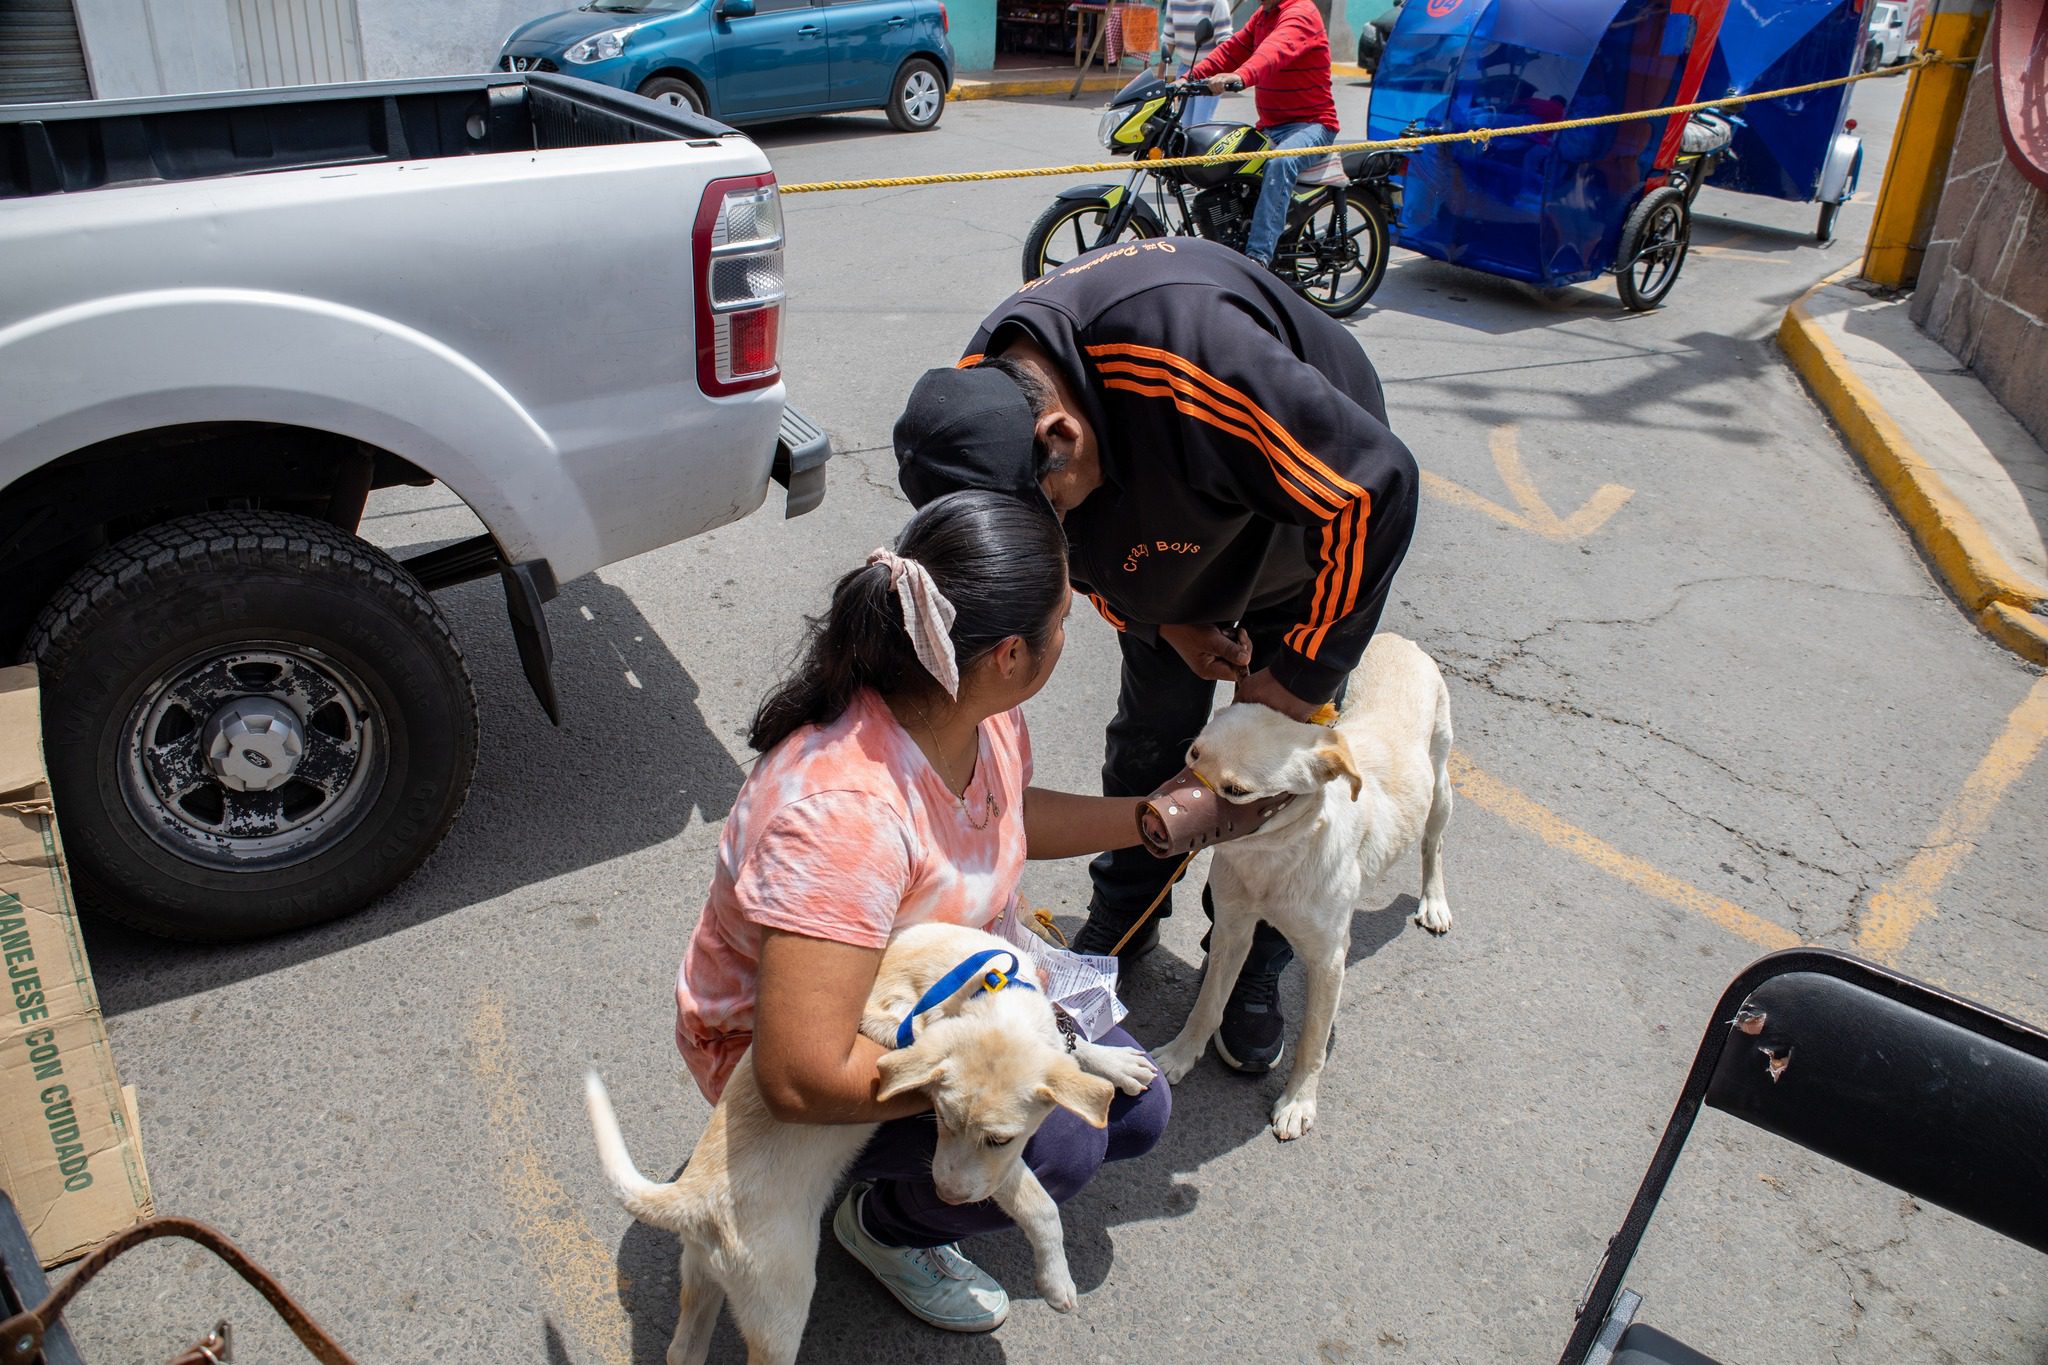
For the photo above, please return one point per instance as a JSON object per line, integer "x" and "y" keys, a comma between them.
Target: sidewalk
{"x": 1967, "y": 479}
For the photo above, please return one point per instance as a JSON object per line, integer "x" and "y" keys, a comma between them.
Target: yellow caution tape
{"x": 1388, "y": 145}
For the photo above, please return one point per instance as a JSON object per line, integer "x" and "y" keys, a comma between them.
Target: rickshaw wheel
{"x": 1824, "y": 231}
{"x": 1653, "y": 247}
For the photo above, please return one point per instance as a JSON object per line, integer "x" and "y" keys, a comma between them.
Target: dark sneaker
{"x": 1251, "y": 1037}
{"x": 1100, "y": 934}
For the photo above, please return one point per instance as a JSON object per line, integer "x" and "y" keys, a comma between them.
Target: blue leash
{"x": 991, "y": 980}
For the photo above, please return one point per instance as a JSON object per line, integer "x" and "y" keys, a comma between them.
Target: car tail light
{"x": 945, "y": 21}
{"x": 737, "y": 244}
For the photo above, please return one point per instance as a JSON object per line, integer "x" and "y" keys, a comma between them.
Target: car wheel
{"x": 254, "y": 722}
{"x": 918, "y": 97}
{"x": 675, "y": 92}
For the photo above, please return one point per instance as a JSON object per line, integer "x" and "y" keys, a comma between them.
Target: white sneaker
{"x": 937, "y": 1284}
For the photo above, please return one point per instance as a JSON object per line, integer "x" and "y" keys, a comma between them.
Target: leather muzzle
{"x": 1185, "y": 815}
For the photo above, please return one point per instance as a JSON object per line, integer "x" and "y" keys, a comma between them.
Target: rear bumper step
{"x": 801, "y": 450}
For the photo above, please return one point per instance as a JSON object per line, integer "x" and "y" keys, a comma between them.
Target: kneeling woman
{"x": 894, "y": 788}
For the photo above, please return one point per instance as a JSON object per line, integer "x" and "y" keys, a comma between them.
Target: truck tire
{"x": 254, "y": 722}
{"x": 917, "y": 98}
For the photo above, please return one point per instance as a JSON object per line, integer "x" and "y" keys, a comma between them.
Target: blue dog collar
{"x": 948, "y": 985}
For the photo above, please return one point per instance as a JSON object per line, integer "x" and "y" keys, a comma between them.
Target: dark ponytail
{"x": 1000, "y": 560}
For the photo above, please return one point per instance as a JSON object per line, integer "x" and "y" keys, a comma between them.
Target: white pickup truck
{"x": 224, "y": 321}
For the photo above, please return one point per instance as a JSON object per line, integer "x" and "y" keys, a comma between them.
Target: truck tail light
{"x": 737, "y": 244}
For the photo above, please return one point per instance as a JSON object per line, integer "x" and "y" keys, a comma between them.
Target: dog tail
{"x": 664, "y": 1206}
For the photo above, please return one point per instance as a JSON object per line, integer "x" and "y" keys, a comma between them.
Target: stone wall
{"x": 1983, "y": 288}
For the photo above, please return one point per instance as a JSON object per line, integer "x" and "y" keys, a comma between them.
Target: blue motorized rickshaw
{"x": 1546, "y": 208}
{"x": 1801, "y": 147}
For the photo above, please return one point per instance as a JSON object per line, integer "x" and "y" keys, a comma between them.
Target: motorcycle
{"x": 1333, "y": 248}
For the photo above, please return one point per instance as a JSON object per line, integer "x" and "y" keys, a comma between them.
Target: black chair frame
{"x": 1909, "y": 1084}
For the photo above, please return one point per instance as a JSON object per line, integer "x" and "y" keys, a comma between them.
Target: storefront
{"x": 1034, "y": 32}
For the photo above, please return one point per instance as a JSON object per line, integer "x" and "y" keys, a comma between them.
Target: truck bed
{"x": 89, "y": 145}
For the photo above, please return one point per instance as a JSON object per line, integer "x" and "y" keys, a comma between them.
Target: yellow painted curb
{"x": 1960, "y": 550}
{"x": 990, "y": 90}
{"x": 2022, "y": 632}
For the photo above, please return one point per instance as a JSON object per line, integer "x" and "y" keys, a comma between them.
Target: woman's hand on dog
{"x": 1211, "y": 652}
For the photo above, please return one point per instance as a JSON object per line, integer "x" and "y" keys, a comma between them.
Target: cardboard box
{"x": 70, "y": 1156}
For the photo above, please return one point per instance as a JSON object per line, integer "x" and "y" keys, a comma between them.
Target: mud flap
{"x": 528, "y": 585}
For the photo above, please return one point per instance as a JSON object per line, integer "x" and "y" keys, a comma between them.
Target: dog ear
{"x": 1333, "y": 760}
{"x": 907, "y": 1069}
{"x": 1073, "y": 1089}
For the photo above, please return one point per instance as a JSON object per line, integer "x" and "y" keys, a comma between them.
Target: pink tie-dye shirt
{"x": 845, "y": 832}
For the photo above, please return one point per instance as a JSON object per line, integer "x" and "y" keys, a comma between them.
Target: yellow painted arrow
{"x": 1535, "y": 516}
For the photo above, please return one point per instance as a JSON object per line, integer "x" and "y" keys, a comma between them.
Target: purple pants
{"x": 903, "y": 1207}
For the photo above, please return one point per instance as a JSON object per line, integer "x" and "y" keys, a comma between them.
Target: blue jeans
{"x": 1277, "y": 193}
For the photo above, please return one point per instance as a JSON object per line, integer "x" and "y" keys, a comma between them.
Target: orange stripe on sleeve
{"x": 1196, "y": 372}
{"x": 1284, "y": 470}
{"x": 1353, "y": 574}
{"x": 1203, "y": 414}
{"x": 1107, "y": 615}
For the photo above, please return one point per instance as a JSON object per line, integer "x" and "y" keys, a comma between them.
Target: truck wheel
{"x": 254, "y": 722}
{"x": 918, "y": 97}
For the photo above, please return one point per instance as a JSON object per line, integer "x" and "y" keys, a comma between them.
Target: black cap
{"x": 970, "y": 428}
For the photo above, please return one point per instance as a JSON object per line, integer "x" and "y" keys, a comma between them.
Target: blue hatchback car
{"x": 748, "y": 61}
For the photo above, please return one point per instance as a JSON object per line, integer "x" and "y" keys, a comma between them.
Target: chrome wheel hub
{"x": 258, "y": 757}
{"x": 254, "y": 744}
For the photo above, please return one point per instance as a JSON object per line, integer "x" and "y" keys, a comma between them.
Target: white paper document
{"x": 1083, "y": 986}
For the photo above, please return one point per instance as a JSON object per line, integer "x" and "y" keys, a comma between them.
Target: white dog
{"x": 746, "y": 1207}
{"x": 1367, "y": 788}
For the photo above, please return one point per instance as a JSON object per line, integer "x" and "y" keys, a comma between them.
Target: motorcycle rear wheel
{"x": 1339, "y": 272}
{"x": 1066, "y": 229}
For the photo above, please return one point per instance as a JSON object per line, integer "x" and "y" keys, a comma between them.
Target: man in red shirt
{"x": 1283, "y": 54}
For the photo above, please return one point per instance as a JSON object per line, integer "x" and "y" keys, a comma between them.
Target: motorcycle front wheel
{"x": 1068, "y": 228}
{"x": 1339, "y": 264}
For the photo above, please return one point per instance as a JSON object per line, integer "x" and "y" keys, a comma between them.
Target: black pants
{"x": 1160, "y": 708}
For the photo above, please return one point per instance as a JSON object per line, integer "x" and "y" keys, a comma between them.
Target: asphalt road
{"x": 1708, "y": 701}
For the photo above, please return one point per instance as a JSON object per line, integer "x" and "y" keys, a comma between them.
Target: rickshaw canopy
{"x": 1781, "y": 146}
{"x": 1548, "y": 207}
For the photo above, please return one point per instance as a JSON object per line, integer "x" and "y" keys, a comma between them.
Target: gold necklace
{"x": 924, "y": 719}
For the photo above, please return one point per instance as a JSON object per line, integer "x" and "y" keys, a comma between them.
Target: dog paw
{"x": 1177, "y": 1059}
{"x": 1292, "y": 1118}
{"x": 1127, "y": 1068}
{"x": 1059, "y": 1294}
{"x": 1435, "y": 918}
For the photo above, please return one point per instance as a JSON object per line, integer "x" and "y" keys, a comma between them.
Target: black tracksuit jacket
{"x": 1245, "y": 451}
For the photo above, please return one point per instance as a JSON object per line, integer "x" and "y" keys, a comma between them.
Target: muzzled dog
{"x": 747, "y": 1206}
{"x": 1366, "y": 790}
